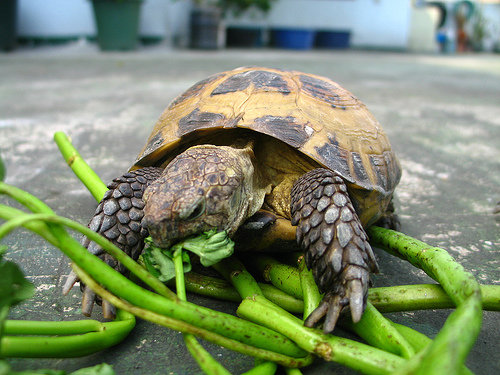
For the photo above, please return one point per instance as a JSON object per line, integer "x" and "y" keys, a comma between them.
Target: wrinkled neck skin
{"x": 203, "y": 188}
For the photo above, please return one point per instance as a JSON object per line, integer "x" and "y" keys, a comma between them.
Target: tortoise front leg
{"x": 118, "y": 218}
{"x": 335, "y": 245}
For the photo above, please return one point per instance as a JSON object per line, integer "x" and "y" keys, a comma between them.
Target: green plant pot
{"x": 8, "y": 21}
{"x": 117, "y": 24}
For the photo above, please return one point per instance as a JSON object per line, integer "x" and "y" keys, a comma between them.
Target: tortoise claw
{"x": 88, "y": 300}
{"x": 70, "y": 282}
{"x": 108, "y": 310}
{"x": 356, "y": 296}
{"x": 335, "y": 307}
{"x": 330, "y": 307}
{"x": 318, "y": 313}
{"x": 334, "y": 303}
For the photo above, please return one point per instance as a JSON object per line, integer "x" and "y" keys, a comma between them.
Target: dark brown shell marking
{"x": 327, "y": 92}
{"x": 197, "y": 119}
{"x": 195, "y": 89}
{"x": 261, "y": 79}
{"x": 288, "y": 129}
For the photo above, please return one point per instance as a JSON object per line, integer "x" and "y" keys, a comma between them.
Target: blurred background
{"x": 396, "y": 25}
{"x": 429, "y": 71}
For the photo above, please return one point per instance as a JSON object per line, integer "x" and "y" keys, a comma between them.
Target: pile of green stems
{"x": 268, "y": 332}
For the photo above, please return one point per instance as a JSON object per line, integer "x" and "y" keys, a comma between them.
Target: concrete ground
{"x": 442, "y": 114}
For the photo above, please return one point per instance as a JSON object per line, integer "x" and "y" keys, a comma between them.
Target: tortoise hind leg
{"x": 335, "y": 245}
{"x": 389, "y": 219}
{"x": 117, "y": 218}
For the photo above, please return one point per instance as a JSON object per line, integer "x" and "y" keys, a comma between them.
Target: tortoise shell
{"x": 310, "y": 113}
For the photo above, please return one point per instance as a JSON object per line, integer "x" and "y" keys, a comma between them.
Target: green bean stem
{"x": 119, "y": 284}
{"x": 31, "y": 327}
{"x": 138, "y": 271}
{"x": 76, "y": 338}
{"x": 378, "y": 331}
{"x": 356, "y": 355}
{"x": 184, "y": 327}
{"x": 277, "y": 273}
{"x": 426, "y": 296}
{"x": 89, "y": 178}
{"x": 385, "y": 299}
{"x": 450, "y": 347}
{"x": 310, "y": 290}
{"x": 266, "y": 368}
{"x": 419, "y": 342}
{"x": 245, "y": 284}
{"x": 206, "y": 362}
{"x": 235, "y": 272}
{"x": 4, "y": 312}
{"x": 218, "y": 288}
{"x": 280, "y": 298}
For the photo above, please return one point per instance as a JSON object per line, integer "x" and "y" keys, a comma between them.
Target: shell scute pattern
{"x": 286, "y": 128}
{"x": 310, "y": 113}
{"x": 197, "y": 119}
{"x": 328, "y": 92}
{"x": 260, "y": 79}
{"x": 195, "y": 89}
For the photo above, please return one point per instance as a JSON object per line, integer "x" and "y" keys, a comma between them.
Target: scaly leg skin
{"x": 118, "y": 218}
{"x": 335, "y": 245}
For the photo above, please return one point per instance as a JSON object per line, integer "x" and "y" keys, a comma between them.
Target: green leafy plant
{"x": 236, "y": 6}
{"x": 239, "y": 6}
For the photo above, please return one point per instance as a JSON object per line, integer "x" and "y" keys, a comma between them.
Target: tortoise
{"x": 255, "y": 148}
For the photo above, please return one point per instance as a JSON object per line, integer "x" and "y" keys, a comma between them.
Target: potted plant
{"x": 207, "y": 19}
{"x": 251, "y": 32}
{"x": 8, "y": 23}
{"x": 117, "y": 23}
{"x": 207, "y": 29}
{"x": 479, "y": 31}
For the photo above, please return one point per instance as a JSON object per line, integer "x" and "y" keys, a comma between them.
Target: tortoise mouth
{"x": 166, "y": 233}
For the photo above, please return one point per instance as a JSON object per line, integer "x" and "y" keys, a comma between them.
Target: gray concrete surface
{"x": 442, "y": 114}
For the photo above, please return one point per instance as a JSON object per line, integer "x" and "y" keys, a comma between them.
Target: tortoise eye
{"x": 198, "y": 210}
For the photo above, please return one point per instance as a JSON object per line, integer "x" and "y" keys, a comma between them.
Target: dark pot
{"x": 245, "y": 37}
{"x": 207, "y": 28}
{"x": 117, "y": 24}
{"x": 8, "y": 24}
{"x": 333, "y": 39}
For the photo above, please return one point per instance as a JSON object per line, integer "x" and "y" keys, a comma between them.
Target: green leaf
{"x": 210, "y": 246}
{"x": 159, "y": 262}
{"x": 14, "y": 288}
{"x": 39, "y": 372}
{"x": 2, "y": 169}
{"x": 102, "y": 369}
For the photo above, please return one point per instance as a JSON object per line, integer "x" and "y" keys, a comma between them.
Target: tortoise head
{"x": 203, "y": 188}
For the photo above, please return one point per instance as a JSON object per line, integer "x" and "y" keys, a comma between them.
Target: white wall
{"x": 491, "y": 13}
{"x": 373, "y": 23}
{"x": 55, "y": 18}
{"x": 74, "y": 18}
